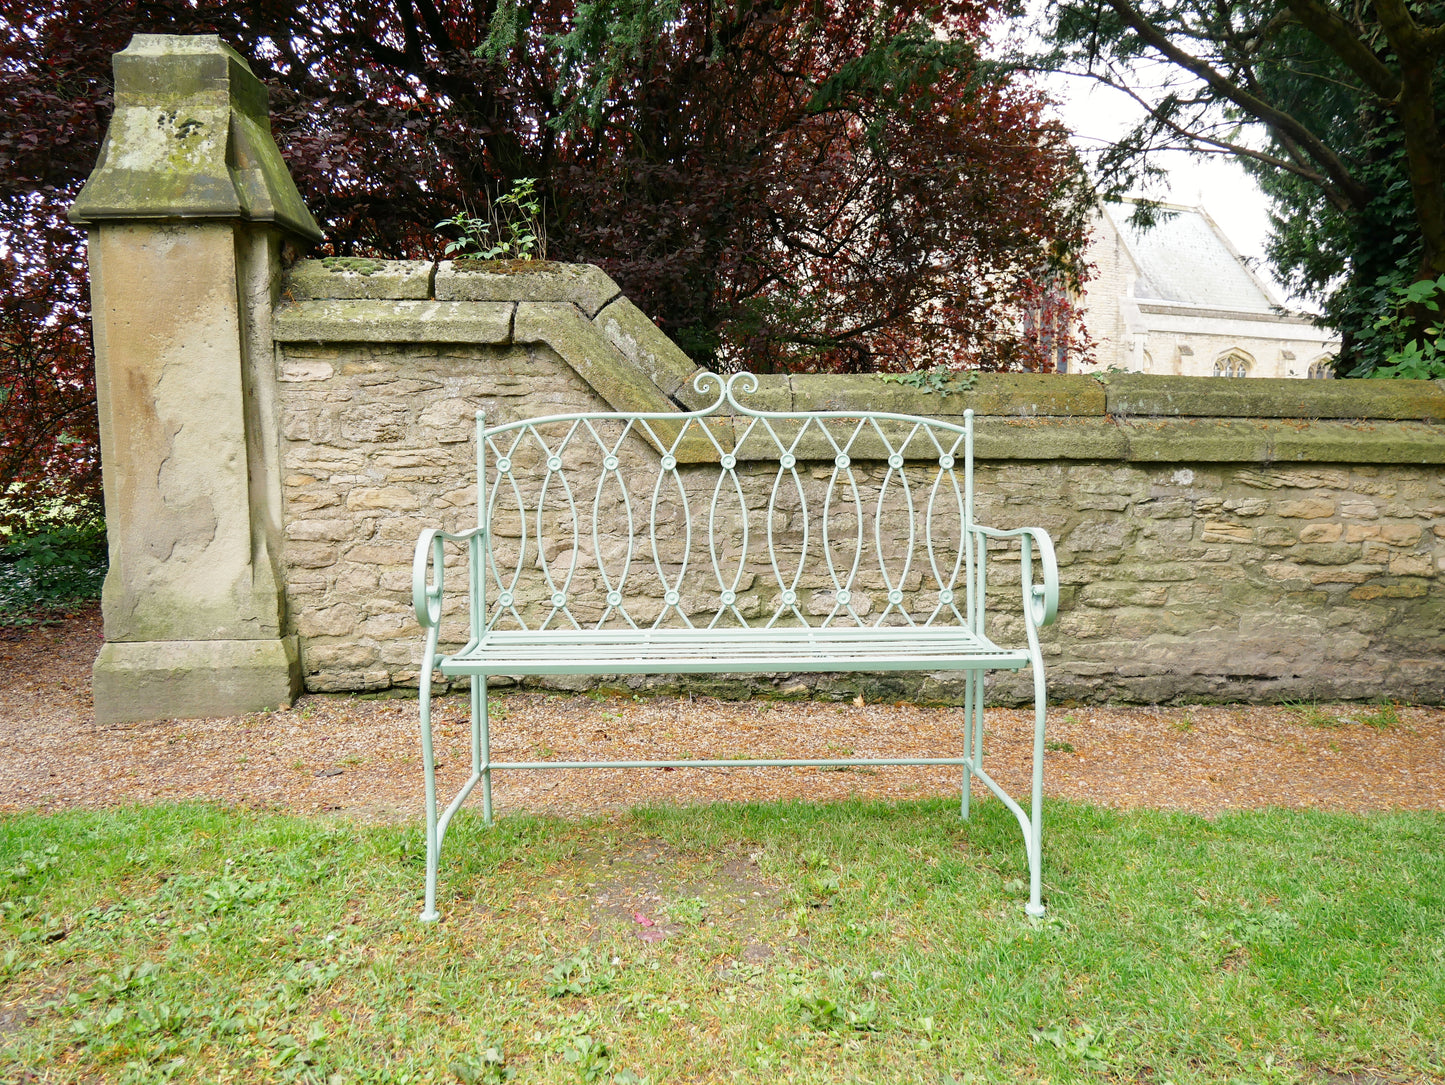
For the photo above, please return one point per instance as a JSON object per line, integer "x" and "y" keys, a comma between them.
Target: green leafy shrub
{"x": 53, "y": 566}
{"x": 1420, "y": 357}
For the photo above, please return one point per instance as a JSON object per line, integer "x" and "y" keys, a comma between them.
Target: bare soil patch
{"x": 361, "y": 758}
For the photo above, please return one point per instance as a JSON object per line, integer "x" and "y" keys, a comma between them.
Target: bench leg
{"x": 482, "y": 743}
{"x": 433, "y": 843}
{"x": 972, "y": 680}
{"x": 1035, "y": 906}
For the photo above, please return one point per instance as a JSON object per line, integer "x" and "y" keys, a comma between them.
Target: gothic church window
{"x": 1233, "y": 364}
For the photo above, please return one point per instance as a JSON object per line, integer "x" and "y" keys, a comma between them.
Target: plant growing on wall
{"x": 516, "y": 229}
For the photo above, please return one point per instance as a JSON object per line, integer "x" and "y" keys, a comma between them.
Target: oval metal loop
{"x": 426, "y": 597}
{"x": 1043, "y": 599}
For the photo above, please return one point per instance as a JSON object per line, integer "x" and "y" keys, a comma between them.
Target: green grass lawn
{"x": 782, "y": 942}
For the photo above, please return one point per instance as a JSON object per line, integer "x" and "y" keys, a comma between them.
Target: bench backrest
{"x": 728, "y": 517}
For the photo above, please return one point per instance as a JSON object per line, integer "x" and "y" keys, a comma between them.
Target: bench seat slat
{"x": 701, "y": 651}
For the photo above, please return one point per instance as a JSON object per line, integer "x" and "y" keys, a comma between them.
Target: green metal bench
{"x": 726, "y": 540}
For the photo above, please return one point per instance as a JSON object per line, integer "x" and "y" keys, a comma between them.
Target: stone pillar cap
{"x": 190, "y": 138}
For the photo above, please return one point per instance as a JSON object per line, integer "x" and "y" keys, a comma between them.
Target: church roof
{"x": 1184, "y": 258}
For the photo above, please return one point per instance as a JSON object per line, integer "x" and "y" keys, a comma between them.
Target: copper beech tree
{"x": 780, "y": 185}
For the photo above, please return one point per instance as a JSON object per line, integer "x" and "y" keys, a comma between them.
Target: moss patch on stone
{"x": 471, "y": 264}
{"x": 360, "y": 265}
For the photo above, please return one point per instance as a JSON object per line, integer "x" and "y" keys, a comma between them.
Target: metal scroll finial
{"x": 727, "y": 389}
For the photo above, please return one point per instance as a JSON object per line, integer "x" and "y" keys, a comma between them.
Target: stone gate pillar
{"x": 188, "y": 211}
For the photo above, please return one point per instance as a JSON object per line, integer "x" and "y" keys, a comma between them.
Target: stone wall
{"x": 1217, "y": 540}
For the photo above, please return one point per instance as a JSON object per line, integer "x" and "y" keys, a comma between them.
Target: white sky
{"x": 1097, "y": 114}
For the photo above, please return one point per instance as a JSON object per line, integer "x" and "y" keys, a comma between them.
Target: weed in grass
{"x": 1078, "y": 1043}
{"x": 1388, "y": 715}
{"x": 578, "y": 975}
{"x": 487, "y": 1068}
{"x": 1312, "y": 715}
{"x": 687, "y": 911}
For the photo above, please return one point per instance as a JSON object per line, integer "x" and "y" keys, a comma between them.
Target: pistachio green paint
{"x": 935, "y": 622}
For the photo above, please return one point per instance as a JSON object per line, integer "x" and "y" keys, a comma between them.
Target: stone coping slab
{"x": 578, "y": 311}
{"x": 400, "y": 321}
{"x": 1152, "y": 395}
{"x": 355, "y": 277}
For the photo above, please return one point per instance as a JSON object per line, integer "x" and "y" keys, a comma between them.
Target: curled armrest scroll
{"x": 426, "y": 592}
{"x": 1041, "y": 601}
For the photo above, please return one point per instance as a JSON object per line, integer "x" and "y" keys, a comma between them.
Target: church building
{"x": 1177, "y": 298}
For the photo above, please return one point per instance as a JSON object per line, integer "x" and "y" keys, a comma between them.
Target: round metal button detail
{"x": 844, "y": 597}
{"x": 558, "y": 599}
{"x": 895, "y": 597}
{"x": 945, "y": 461}
{"x": 895, "y": 461}
{"x": 554, "y": 463}
{"x": 945, "y": 596}
{"x": 729, "y": 598}
{"x": 614, "y": 599}
{"x": 728, "y": 462}
{"x": 669, "y": 463}
{"x": 841, "y": 462}
{"x": 789, "y": 598}
{"x": 671, "y": 598}
{"x": 504, "y": 599}
{"x": 787, "y": 460}
{"x": 504, "y": 465}
{"x": 609, "y": 463}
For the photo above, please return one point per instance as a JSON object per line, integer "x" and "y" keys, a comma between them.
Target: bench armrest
{"x": 426, "y": 590}
{"x": 1041, "y": 601}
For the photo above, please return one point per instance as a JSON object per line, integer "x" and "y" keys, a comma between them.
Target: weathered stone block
{"x": 587, "y": 287}
{"x": 193, "y": 679}
{"x": 349, "y": 277}
{"x": 333, "y": 321}
{"x": 1321, "y": 533}
{"x": 1309, "y": 508}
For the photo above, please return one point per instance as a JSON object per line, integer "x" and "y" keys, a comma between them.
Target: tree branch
{"x": 1357, "y": 194}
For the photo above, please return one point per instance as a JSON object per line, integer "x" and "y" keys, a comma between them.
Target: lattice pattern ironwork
{"x": 700, "y": 520}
